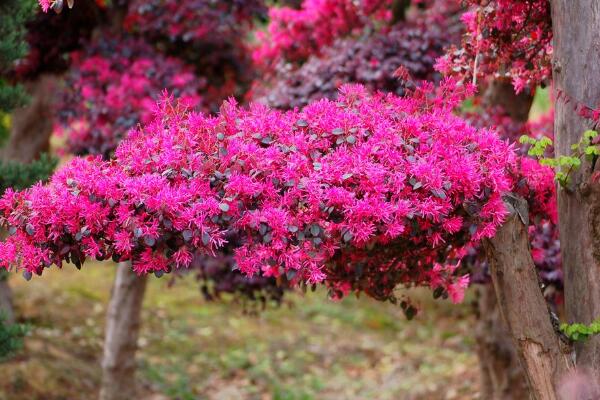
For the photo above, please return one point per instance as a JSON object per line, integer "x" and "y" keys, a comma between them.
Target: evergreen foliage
{"x": 20, "y": 176}
{"x": 11, "y": 338}
{"x": 12, "y": 47}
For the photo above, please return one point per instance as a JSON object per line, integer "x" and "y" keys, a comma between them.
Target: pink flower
{"x": 45, "y": 4}
{"x": 456, "y": 290}
{"x": 182, "y": 258}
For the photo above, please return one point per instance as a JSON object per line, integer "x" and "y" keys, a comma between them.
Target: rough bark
{"x": 502, "y": 377}
{"x": 576, "y": 75}
{"x": 122, "y": 330}
{"x": 6, "y": 304}
{"x": 523, "y": 306}
{"x": 31, "y": 125}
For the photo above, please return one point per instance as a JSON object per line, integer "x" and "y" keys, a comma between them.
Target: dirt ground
{"x": 309, "y": 348}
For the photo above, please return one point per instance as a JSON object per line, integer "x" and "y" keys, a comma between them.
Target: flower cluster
{"x": 113, "y": 85}
{"x": 217, "y": 276}
{"x": 505, "y": 38}
{"x": 294, "y": 35}
{"x": 46, "y": 4}
{"x": 365, "y": 193}
{"x": 533, "y": 181}
{"x": 372, "y": 61}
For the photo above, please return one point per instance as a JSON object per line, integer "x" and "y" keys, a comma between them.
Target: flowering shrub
{"x": 505, "y": 38}
{"x": 50, "y": 37}
{"x": 370, "y": 60}
{"x": 216, "y": 50}
{"x": 366, "y": 193}
{"x": 192, "y": 20}
{"x": 295, "y": 34}
{"x": 113, "y": 85}
{"x": 97, "y": 124}
{"x": 209, "y": 35}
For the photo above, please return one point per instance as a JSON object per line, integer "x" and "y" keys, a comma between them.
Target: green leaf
{"x": 545, "y": 141}
{"x": 549, "y": 162}
{"x": 590, "y": 134}
{"x": 526, "y": 139}
{"x": 592, "y": 150}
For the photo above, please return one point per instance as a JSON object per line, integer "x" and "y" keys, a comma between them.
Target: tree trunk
{"x": 122, "y": 329}
{"x": 576, "y": 75}
{"x": 523, "y": 306}
{"x": 500, "y": 92}
{"x": 6, "y": 304}
{"x": 31, "y": 125}
{"x": 502, "y": 377}
{"x": 399, "y": 11}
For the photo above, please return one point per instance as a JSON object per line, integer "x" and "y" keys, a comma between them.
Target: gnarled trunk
{"x": 122, "y": 330}
{"x": 576, "y": 74}
{"x": 523, "y": 306}
{"x": 502, "y": 377}
{"x": 31, "y": 125}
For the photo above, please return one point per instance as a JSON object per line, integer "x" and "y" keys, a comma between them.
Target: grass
{"x": 310, "y": 348}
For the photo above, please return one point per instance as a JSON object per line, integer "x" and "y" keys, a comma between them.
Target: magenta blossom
{"x": 363, "y": 193}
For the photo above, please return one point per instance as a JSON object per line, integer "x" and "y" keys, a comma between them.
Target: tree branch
{"x": 522, "y": 304}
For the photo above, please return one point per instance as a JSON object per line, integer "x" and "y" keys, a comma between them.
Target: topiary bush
{"x": 363, "y": 193}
